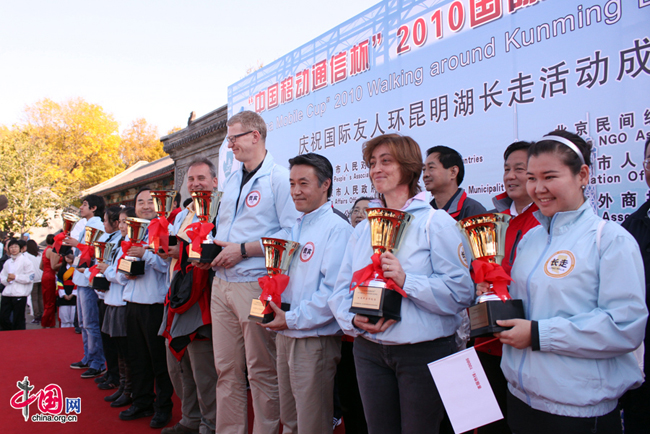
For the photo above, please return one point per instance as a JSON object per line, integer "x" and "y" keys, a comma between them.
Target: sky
{"x": 158, "y": 60}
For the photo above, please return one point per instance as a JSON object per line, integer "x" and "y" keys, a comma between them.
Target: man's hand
{"x": 11, "y": 277}
{"x": 279, "y": 322}
{"x": 229, "y": 256}
{"x": 102, "y": 266}
{"x": 482, "y": 288}
{"x": 173, "y": 252}
{"x": 519, "y": 336}
{"x": 129, "y": 277}
{"x": 392, "y": 268}
{"x": 136, "y": 251}
{"x": 68, "y": 241}
{"x": 364, "y": 324}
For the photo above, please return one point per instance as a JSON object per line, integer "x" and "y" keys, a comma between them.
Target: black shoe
{"x": 107, "y": 385}
{"x": 134, "y": 412}
{"x": 77, "y": 330}
{"x": 161, "y": 419}
{"x": 79, "y": 365}
{"x": 179, "y": 429}
{"x": 92, "y": 373}
{"x": 122, "y": 401}
{"x": 114, "y": 396}
{"x": 102, "y": 379}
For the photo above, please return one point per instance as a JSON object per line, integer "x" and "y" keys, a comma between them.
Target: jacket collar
{"x": 502, "y": 202}
{"x": 561, "y": 222}
{"x": 316, "y": 214}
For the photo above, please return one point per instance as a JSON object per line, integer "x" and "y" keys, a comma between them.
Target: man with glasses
{"x": 256, "y": 203}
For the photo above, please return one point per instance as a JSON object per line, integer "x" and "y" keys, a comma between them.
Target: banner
{"x": 474, "y": 75}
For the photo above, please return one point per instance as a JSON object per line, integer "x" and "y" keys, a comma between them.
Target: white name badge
{"x": 465, "y": 391}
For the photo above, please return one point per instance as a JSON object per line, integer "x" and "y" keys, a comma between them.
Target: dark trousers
{"x": 397, "y": 389}
{"x": 636, "y": 409}
{"x": 110, "y": 350}
{"x": 15, "y": 306}
{"x": 122, "y": 345}
{"x": 492, "y": 366}
{"x": 348, "y": 388}
{"x": 526, "y": 420}
{"x": 147, "y": 357}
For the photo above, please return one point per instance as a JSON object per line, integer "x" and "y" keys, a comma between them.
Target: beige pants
{"x": 306, "y": 369}
{"x": 239, "y": 344}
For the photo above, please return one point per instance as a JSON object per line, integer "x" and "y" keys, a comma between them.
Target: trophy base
{"x": 132, "y": 268}
{"x": 377, "y": 302}
{"x": 483, "y": 316}
{"x": 173, "y": 241}
{"x": 257, "y": 307}
{"x": 208, "y": 253}
{"x": 100, "y": 283}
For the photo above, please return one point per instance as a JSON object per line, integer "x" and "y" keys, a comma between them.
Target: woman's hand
{"x": 482, "y": 288}
{"x": 102, "y": 266}
{"x": 136, "y": 251}
{"x": 519, "y": 336}
{"x": 364, "y": 324}
{"x": 393, "y": 269}
{"x": 69, "y": 241}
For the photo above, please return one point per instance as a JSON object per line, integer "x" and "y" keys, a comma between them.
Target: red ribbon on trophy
{"x": 367, "y": 273}
{"x": 484, "y": 271}
{"x": 58, "y": 241}
{"x": 159, "y": 234}
{"x": 94, "y": 271}
{"x": 197, "y": 233}
{"x": 272, "y": 286}
{"x": 87, "y": 253}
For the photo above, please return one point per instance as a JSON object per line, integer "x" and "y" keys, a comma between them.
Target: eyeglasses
{"x": 232, "y": 139}
{"x": 357, "y": 211}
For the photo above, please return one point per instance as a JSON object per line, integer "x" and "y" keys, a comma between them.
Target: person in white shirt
{"x": 17, "y": 276}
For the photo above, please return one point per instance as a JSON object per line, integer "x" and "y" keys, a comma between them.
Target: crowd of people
{"x": 571, "y": 365}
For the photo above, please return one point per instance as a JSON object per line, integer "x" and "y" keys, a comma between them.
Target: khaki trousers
{"x": 194, "y": 379}
{"x": 239, "y": 344}
{"x": 306, "y": 369}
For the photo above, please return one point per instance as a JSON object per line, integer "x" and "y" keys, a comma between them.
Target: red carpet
{"x": 44, "y": 356}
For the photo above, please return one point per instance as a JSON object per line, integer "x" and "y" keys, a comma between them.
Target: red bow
{"x": 197, "y": 233}
{"x": 159, "y": 234}
{"x": 272, "y": 286}
{"x": 58, "y": 241}
{"x": 126, "y": 245}
{"x": 484, "y": 271}
{"x": 370, "y": 271}
{"x": 94, "y": 271}
{"x": 86, "y": 254}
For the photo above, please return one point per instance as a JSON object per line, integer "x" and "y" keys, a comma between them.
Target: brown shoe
{"x": 179, "y": 429}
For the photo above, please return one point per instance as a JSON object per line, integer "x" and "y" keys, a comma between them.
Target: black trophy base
{"x": 483, "y": 316}
{"x": 173, "y": 241}
{"x": 377, "y": 303}
{"x": 101, "y": 284}
{"x": 257, "y": 307}
{"x": 132, "y": 268}
{"x": 208, "y": 253}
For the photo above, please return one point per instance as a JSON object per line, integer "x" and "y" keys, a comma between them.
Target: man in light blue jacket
{"x": 256, "y": 203}
{"x": 309, "y": 338}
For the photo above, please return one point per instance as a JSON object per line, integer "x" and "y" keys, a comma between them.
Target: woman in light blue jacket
{"x": 582, "y": 285}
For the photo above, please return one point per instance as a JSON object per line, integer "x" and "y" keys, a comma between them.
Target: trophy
{"x": 374, "y": 296}
{"x": 69, "y": 221}
{"x": 103, "y": 251}
{"x": 277, "y": 256}
{"x": 86, "y": 249}
{"x": 486, "y": 235}
{"x": 136, "y": 229}
{"x": 206, "y": 206}
{"x": 159, "y": 237}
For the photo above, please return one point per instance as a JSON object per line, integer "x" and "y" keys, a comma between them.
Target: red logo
{"x": 307, "y": 252}
{"x": 50, "y": 402}
{"x": 253, "y": 199}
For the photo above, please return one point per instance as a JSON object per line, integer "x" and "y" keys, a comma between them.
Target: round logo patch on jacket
{"x": 307, "y": 252}
{"x": 461, "y": 255}
{"x": 560, "y": 264}
{"x": 253, "y": 199}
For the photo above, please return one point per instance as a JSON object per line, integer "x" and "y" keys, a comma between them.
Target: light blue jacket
{"x": 107, "y": 238}
{"x": 114, "y": 296}
{"x": 323, "y": 236}
{"x": 80, "y": 279}
{"x": 437, "y": 282}
{"x": 152, "y": 286}
{"x": 590, "y": 306}
{"x": 265, "y": 210}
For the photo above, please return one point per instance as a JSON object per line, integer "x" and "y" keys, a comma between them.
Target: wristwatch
{"x": 243, "y": 251}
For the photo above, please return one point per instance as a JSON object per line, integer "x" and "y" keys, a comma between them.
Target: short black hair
{"x": 95, "y": 201}
{"x": 113, "y": 214}
{"x": 321, "y": 165}
{"x": 22, "y": 243}
{"x": 178, "y": 199}
{"x": 360, "y": 199}
{"x": 144, "y": 188}
{"x": 449, "y": 157}
{"x": 12, "y": 242}
{"x": 568, "y": 156}
{"x": 516, "y": 146}
{"x": 187, "y": 202}
{"x": 49, "y": 239}
{"x": 129, "y": 211}
{"x": 32, "y": 247}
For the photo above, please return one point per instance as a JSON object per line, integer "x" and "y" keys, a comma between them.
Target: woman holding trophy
{"x": 428, "y": 271}
{"x": 581, "y": 282}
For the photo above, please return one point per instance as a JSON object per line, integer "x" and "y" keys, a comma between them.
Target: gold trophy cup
{"x": 486, "y": 236}
{"x": 206, "y": 206}
{"x": 136, "y": 229}
{"x": 69, "y": 221}
{"x": 277, "y": 257}
{"x": 372, "y": 297}
{"x": 163, "y": 204}
{"x": 91, "y": 235}
{"x": 103, "y": 251}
